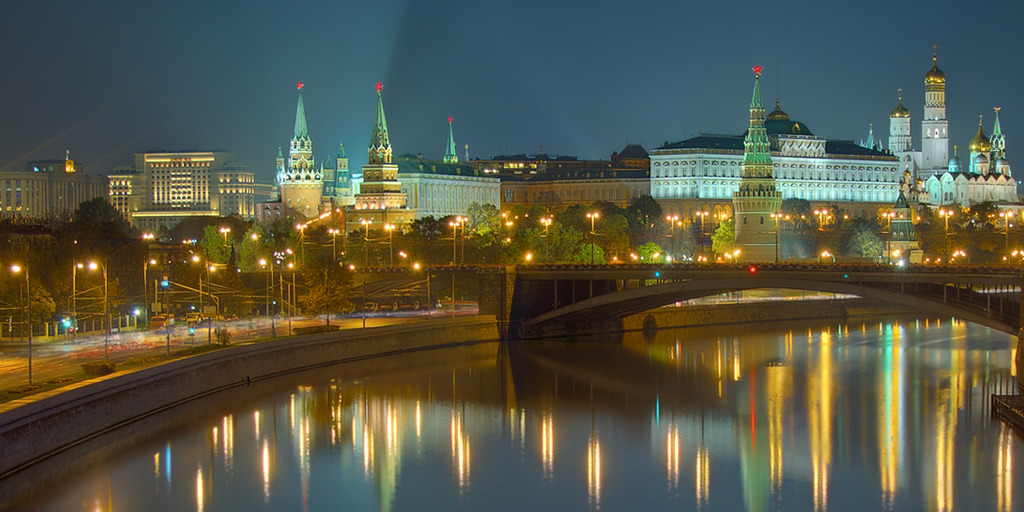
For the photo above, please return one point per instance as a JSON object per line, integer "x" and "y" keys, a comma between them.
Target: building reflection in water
{"x": 865, "y": 404}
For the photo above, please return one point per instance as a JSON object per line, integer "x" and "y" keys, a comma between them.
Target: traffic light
{"x": 165, "y": 282}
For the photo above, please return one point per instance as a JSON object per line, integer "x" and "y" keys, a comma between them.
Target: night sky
{"x": 106, "y": 79}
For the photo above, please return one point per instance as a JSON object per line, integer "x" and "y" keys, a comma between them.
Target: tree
{"x": 328, "y": 284}
{"x": 643, "y": 214}
{"x": 650, "y": 253}
{"x": 865, "y": 243}
{"x": 724, "y": 239}
{"x": 590, "y": 253}
{"x": 799, "y": 211}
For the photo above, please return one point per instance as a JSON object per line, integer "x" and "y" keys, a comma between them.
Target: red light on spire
{"x": 379, "y": 86}
{"x": 449, "y": 119}
{"x": 757, "y": 70}
{"x": 299, "y": 85}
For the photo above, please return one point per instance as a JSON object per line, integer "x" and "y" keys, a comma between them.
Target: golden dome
{"x": 935, "y": 75}
{"x": 900, "y": 111}
{"x": 980, "y": 143}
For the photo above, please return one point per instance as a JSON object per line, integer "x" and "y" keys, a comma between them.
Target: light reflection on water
{"x": 889, "y": 415}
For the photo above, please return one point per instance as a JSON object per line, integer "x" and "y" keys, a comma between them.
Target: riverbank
{"x": 53, "y": 421}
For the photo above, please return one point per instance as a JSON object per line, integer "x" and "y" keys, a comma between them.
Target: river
{"x": 859, "y": 415}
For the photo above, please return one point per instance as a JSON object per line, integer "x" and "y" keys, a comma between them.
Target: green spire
{"x": 449, "y": 154}
{"x": 301, "y": 132}
{"x": 380, "y": 145}
{"x": 998, "y": 141}
{"x": 341, "y": 150}
{"x": 756, "y": 149}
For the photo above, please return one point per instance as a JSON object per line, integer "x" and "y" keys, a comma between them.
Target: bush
{"x": 98, "y": 367}
{"x": 223, "y": 336}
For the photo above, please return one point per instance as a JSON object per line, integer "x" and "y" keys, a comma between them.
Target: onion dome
{"x": 935, "y": 75}
{"x": 980, "y": 143}
{"x": 954, "y": 164}
{"x": 900, "y": 110}
{"x": 777, "y": 114}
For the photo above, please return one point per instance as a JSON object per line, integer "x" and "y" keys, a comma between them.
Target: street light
{"x": 334, "y": 243}
{"x": 888, "y": 219}
{"x": 777, "y": 217}
{"x": 821, "y": 218}
{"x": 391, "y": 251}
{"x": 702, "y": 215}
{"x": 224, "y": 231}
{"x": 593, "y": 216}
{"x": 366, "y": 240}
{"x": 106, "y": 310}
{"x": 946, "y": 214}
{"x": 1006, "y": 215}
{"x": 302, "y": 242}
{"x": 458, "y": 221}
{"x": 546, "y": 222}
{"x": 826, "y": 254}
{"x": 28, "y": 313}
{"x": 672, "y": 219}
{"x": 74, "y": 299}
{"x": 145, "y": 288}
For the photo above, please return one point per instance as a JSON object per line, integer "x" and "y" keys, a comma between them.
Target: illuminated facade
{"x": 440, "y": 189}
{"x": 930, "y": 176}
{"x": 47, "y": 189}
{"x": 163, "y": 188}
{"x": 300, "y": 182}
{"x": 702, "y": 173}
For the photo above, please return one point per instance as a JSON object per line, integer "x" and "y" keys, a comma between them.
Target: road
{"x": 56, "y": 358}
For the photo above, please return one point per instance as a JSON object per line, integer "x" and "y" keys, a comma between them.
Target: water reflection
{"x": 886, "y": 415}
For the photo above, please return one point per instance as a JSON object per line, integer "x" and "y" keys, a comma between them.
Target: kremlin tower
{"x": 757, "y": 198}
{"x": 300, "y": 183}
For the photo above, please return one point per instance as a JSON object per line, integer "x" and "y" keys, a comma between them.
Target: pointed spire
{"x": 997, "y": 140}
{"x": 380, "y": 144}
{"x": 279, "y": 153}
{"x": 450, "y": 157}
{"x": 301, "y": 132}
{"x": 755, "y": 144}
{"x": 341, "y": 150}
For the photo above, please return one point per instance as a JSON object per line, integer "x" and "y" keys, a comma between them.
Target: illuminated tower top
{"x": 300, "y": 117}
{"x": 450, "y": 157}
{"x": 300, "y": 153}
{"x": 380, "y": 144}
{"x": 756, "y": 149}
{"x": 998, "y": 141}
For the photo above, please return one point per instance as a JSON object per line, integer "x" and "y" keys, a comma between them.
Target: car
{"x": 160, "y": 321}
{"x": 194, "y": 317}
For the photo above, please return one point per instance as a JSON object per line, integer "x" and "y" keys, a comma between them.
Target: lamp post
{"x": 366, "y": 240}
{"x": 776, "y": 217}
{"x": 1006, "y": 215}
{"x": 224, "y": 230}
{"x": 672, "y": 219}
{"x": 106, "y": 311}
{"x": 302, "y": 242}
{"x": 593, "y": 216}
{"x": 888, "y": 240}
{"x": 334, "y": 243}
{"x": 702, "y": 215}
{"x": 145, "y": 288}
{"x": 546, "y": 222}
{"x": 822, "y": 213}
{"x": 28, "y": 313}
{"x": 946, "y": 214}
{"x": 74, "y": 298}
{"x": 391, "y": 250}
{"x": 458, "y": 221}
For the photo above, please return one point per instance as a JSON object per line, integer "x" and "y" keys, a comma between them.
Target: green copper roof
{"x": 756, "y": 148}
{"x": 341, "y": 150}
{"x": 380, "y": 144}
{"x": 301, "y": 131}
{"x": 449, "y": 154}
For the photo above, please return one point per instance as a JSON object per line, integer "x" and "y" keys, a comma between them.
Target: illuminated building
{"x": 562, "y": 181}
{"x": 380, "y": 199}
{"x": 300, "y": 182}
{"x": 47, "y": 189}
{"x": 440, "y": 189}
{"x": 757, "y": 198}
{"x": 702, "y": 173}
{"x": 161, "y": 189}
{"x": 929, "y": 175}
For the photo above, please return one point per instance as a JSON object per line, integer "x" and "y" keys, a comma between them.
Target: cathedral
{"x": 929, "y": 175}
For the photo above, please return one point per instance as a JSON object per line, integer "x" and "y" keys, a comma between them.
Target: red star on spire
{"x": 299, "y": 85}
{"x": 449, "y": 119}
{"x": 379, "y": 86}
{"x": 757, "y": 70}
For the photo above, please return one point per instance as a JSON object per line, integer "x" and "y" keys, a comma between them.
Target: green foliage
{"x": 99, "y": 368}
{"x": 650, "y": 253}
{"x": 644, "y": 214}
{"x": 589, "y": 254}
{"x": 328, "y": 284}
{"x": 484, "y": 219}
{"x": 724, "y": 239}
{"x": 865, "y": 243}
{"x": 800, "y": 213}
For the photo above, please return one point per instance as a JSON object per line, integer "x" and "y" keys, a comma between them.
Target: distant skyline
{"x": 107, "y": 79}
